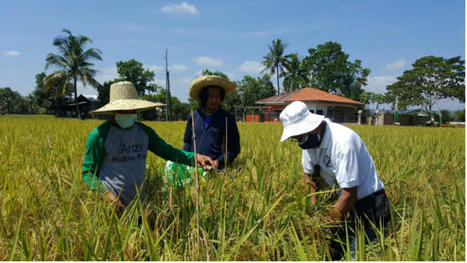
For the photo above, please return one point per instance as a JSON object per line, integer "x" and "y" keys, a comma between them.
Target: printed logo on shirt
{"x": 130, "y": 152}
{"x": 327, "y": 161}
{"x": 128, "y": 158}
{"x": 131, "y": 148}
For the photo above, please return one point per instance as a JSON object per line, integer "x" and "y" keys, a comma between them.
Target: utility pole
{"x": 167, "y": 88}
{"x": 396, "y": 111}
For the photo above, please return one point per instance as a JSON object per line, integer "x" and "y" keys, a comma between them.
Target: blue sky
{"x": 228, "y": 36}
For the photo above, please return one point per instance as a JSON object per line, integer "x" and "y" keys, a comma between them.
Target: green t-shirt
{"x": 115, "y": 158}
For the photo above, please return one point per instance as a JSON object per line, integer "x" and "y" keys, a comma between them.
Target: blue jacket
{"x": 211, "y": 141}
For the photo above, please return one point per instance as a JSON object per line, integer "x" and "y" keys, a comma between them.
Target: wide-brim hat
{"x": 123, "y": 97}
{"x": 297, "y": 120}
{"x": 210, "y": 81}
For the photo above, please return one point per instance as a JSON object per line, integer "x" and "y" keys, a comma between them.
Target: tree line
{"x": 326, "y": 67}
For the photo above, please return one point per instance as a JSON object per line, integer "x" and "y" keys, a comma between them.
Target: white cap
{"x": 297, "y": 119}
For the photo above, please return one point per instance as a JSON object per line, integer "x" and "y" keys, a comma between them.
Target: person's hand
{"x": 216, "y": 164}
{"x": 205, "y": 161}
{"x": 213, "y": 167}
{"x": 332, "y": 217}
{"x": 112, "y": 198}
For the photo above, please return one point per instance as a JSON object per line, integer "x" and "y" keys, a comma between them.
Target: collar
{"x": 209, "y": 114}
{"x": 326, "y": 137}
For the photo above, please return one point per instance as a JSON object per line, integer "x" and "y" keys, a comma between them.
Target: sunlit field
{"x": 48, "y": 213}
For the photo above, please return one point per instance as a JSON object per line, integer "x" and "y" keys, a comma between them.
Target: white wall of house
{"x": 321, "y": 108}
{"x": 328, "y": 110}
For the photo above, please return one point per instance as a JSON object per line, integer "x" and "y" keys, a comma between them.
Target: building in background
{"x": 336, "y": 108}
{"x": 86, "y": 104}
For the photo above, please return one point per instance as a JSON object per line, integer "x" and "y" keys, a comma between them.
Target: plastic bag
{"x": 180, "y": 174}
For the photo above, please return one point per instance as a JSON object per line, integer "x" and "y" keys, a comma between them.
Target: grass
{"x": 47, "y": 213}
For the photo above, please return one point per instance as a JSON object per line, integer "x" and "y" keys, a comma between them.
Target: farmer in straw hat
{"x": 338, "y": 155}
{"x": 116, "y": 151}
{"x": 213, "y": 136}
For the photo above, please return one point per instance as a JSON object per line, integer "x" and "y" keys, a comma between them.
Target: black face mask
{"x": 311, "y": 141}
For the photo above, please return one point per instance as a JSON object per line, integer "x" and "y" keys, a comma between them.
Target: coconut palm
{"x": 274, "y": 61}
{"x": 73, "y": 63}
{"x": 296, "y": 76}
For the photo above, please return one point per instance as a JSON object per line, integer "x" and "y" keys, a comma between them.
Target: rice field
{"x": 48, "y": 213}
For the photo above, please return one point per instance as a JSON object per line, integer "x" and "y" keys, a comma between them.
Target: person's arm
{"x": 233, "y": 142}
{"x": 310, "y": 188}
{"x": 188, "y": 138}
{"x": 347, "y": 177}
{"x": 113, "y": 199}
{"x": 93, "y": 156}
{"x": 166, "y": 151}
{"x": 346, "y": 201}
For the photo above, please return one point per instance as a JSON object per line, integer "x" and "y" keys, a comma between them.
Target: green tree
{"x": 217, "y": 73}
{"x": 232, "y": 102}
{"x": 332, "y": 71}
{"x": 431, "y": 79}
{"x": 446, "y": 116}
{"x": 369, "y": 97}
{"x": 12, "y": 102}
{"x": 459, "y": 115}
{"x": 134, "y": 72}
{"x": 74, "y": 63}
{"x": 275, "y": 60}
{"x": 50, "y": 100}
{"x": 103, "y": 92}
{"x": 251, "y": 89}
{"x": 296, "y": 75}
{"x": 179, "y": 109}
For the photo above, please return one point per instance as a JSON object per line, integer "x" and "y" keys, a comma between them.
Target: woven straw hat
{"x": 210, "y": 81}
{"x": 123, "y": 97}
{"x": 297, "y": 120}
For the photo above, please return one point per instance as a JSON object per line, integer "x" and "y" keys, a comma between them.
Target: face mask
{"x": 125, "y": 121}
{"x": 310, "y": 141}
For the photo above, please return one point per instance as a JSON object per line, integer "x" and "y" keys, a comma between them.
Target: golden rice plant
{"x": 47, "y": 213}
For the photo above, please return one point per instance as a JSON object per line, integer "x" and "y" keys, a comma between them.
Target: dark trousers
{"x": 371, "y": 210}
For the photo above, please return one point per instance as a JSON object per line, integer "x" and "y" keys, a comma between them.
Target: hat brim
{"x": 306, "y": 125}
{"x": 210, "y": 81}
{"x": 127, "y": 105}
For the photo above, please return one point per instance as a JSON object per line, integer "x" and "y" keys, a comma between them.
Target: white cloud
{"x": 183, "y": 8}
{"x": 252, "y": 67}
{"x": 177, "y": 68}
{"x": 160, "y": 82}
{"x": 378, "y": 84}
{"x": 107, "y": 74}
{"x": 231, "y": 75}
{"x": 208, "y": 61}
{"x": 12, "y": 53}
{"x": 156, "y": 68}
{"x": 185, "y": 81}
{"x": 398, "y": 65}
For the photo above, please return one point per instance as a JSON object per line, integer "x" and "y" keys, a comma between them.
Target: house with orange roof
{"x": 334, "y": 107}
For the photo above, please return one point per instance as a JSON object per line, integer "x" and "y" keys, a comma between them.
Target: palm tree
{"x": 274, "y": 61}
{"x": 73, "y": 62}
{"x": 297, "y": 75}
